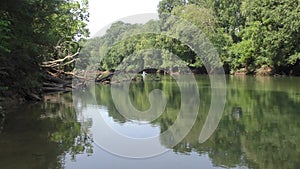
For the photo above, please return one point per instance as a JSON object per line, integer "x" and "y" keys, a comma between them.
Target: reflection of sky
{"x": 129, "y": 129}
{"x": 101, "y": 159}
{"x": 123, "y": 139}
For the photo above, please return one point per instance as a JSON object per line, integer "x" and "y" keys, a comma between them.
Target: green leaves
{"x": 5, "y": 32}
{"x": 166, "y": 6}
{"x": 270, "y": 36}
{"x": 201, "y": 17}
{"x": 29, "y": 32}
{"x": 248, "y": 35}
{"x": 137, "y": 45}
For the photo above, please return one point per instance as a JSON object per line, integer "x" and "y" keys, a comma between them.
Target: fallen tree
{"x": 60, "y": 68}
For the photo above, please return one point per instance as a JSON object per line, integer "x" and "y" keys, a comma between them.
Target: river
{"x": 259, "y": 128}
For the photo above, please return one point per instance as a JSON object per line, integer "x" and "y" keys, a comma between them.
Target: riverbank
{"x": 56, "y": 85}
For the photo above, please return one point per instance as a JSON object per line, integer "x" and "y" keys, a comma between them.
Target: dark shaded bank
{"x": 34, "y": 44}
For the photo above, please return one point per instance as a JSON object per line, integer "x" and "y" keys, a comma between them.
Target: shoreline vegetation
{"x": 45, "y": 46}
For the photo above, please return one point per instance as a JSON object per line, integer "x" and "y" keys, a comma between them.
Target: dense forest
{"x": 38, "y": 39}
{"x": 252, "y": 37}
{"x": 45, "y": 43}
{"x": 43, "y": 38}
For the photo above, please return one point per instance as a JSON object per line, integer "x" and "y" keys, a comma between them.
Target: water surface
{"x": 259, "y": 128}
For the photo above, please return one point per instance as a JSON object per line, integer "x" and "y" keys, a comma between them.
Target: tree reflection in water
{"x": 39, "y": 135}
{"x": 260, "y": 125}
{"x": 259, "y": 129}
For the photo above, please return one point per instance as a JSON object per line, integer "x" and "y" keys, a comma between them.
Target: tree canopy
{"x": 30, "y": 32}
{"x": 252, "y": 37}
{"x": 43, "y": 37}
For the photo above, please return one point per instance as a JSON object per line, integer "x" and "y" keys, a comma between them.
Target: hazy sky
{"x": 104, "y": 12}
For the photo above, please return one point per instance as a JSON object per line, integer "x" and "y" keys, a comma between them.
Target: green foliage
{"x": 204, "y": 20}
{"x": 243, "y": 53}
{"x": 229, "y": 16}
{"x": 124, "y": 39}
{"x": 5, "y": 32}
{"x": 137, "y": 45}
{"x": 271, "y": 35}
{"x": 248, "y": 35}
{"x": 29, "y": 32}
{"x": 166, "y": 6}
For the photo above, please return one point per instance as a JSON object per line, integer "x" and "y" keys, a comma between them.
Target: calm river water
{"x": 259, "y": 128}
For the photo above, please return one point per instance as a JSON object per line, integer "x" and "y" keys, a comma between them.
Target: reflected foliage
{"x": 259, "y": 127}
{"x": 72, "y": 131}
{"x": 40, "y": 135}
